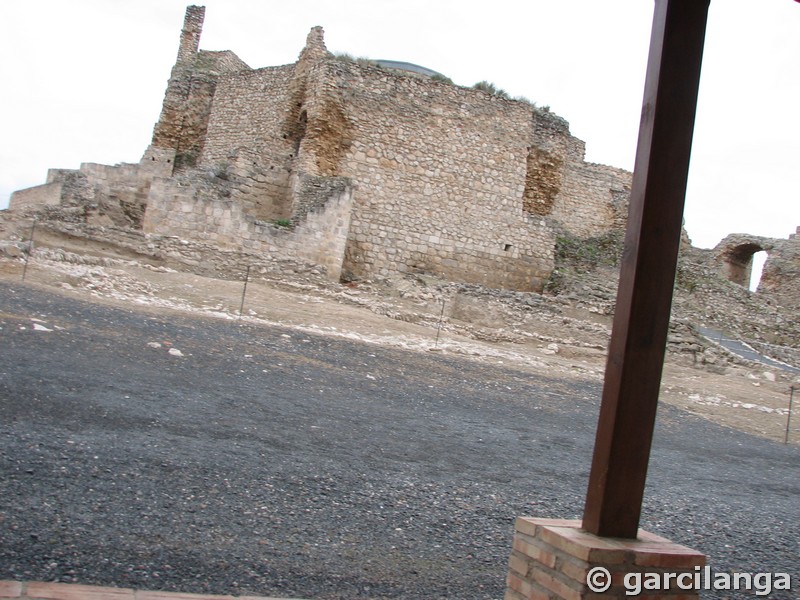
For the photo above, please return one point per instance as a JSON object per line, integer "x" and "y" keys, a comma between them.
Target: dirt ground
{"x": 405, "y": 315}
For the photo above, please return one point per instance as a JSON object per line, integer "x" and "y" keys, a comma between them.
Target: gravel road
{"x": 166, "y": 451}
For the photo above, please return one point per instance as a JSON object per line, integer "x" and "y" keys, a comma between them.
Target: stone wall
{"x": 48, "y": 194}
{"x": 108, "y": 195}
{"x": 246, "y": 132}
{"x": 183, "y": 122}
{"x": 449, "y": 180}
{"x": 593, "y": 199}
{"x": 441, "y": 174}
{"x": 201, "y": 208}
{"x": 781, "y": 274}
{"x": 249, "y": 112}
{"x": 733, "y": 259}
{"x": 579, "y": 198}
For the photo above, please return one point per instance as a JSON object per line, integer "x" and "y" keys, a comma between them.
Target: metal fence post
{"x": 244, "y": 290}
{"x": 439, "y": 326}
{"x": 30, "y": 249}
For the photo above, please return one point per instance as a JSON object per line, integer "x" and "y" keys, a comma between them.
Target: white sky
{"x": 83, "y": 80}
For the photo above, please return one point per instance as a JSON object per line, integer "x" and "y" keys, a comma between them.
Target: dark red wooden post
{"x": 639, "y": 334}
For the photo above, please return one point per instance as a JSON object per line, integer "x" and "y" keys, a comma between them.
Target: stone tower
{"x": 181, "y": 129}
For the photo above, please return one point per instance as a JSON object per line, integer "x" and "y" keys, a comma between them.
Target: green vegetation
{"x": 490, "y": 88}
{"x": 574, "y": 255}
{"x": 360, "y": 60}
{"x": 442, "y": 78}
{"x": 285, "y": 223}
{"x": 584, "y": 255}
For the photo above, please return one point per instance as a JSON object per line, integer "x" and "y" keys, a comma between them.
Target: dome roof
{"x": 407, "y": 66}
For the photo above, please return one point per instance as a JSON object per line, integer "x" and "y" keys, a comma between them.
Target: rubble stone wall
{"x": 448, "y": 180}
{"x": 183, "y": 122}
{"x": 199, "y": 210}
{"x": 441, "y": 174}
{"x": 593, "y": 199}
{"x": 732, "y": 258}
{"x": 47, "y": 194}
{"x": 115, "y": 195}
{"x": 781, "y": 274}
{"x": 249, "y": 112}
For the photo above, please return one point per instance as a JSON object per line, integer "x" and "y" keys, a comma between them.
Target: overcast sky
{"x": 83, "y": 80}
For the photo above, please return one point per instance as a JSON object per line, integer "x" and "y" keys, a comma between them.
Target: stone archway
{"x": 738, "y": 263}
{"x": 734, "y": 256}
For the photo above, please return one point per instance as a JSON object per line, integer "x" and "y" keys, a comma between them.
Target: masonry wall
{"x": 249, "y": 112}
{"x": 781, "y": 274}
{"x": 183, "y": 123}
{"x": 202, "y": 210}
{"x": 441, "y": 173}
{"x": 112, "y": 195}
{"x": 247, "y": 130}
{"x": 593, "y": 198}
{"x": 48, "y": 194}
{"x": 123, "y": 188}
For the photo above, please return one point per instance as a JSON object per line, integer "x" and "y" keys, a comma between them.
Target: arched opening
{"x": 738, "y": 263}
{"x": 758, "y": 260}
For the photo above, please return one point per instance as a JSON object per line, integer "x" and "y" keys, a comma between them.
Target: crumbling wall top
{"x": 190, "y": 34}
{"x": 315, "y": 48}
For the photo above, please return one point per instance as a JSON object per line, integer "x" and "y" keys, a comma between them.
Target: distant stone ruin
{"x": 364, "y": 169}
{"x": 734, "y": 256}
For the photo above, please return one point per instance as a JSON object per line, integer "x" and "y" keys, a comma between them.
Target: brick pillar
{"x": 552, "y": 559}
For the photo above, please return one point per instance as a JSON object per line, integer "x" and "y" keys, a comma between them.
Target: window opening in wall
{"x": 507, "y": 247}
{"x": 759, "y": 258}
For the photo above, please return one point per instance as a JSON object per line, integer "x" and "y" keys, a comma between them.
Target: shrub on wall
{"x": 490, "y": 88}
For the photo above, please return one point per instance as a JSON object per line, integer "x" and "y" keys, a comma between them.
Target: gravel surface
{"x": 163, "y": 451}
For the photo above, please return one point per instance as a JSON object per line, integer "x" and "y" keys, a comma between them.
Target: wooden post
{"x": 644, "y": 298}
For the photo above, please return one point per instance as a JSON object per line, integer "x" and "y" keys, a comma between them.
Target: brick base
{"x": 552, "y": 558}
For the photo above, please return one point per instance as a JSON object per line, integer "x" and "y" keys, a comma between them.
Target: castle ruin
{"x": 359, "y": 168}
{"x": 365, "y": 171}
